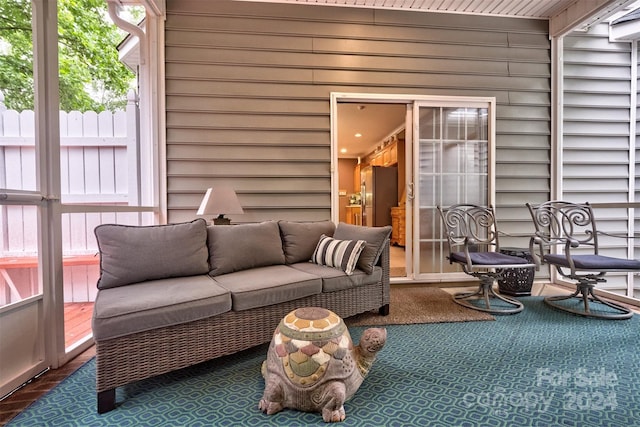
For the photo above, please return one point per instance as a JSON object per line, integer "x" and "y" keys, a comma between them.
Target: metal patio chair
{"x": 571, "y": 227}
{"x": 472, "y": 235}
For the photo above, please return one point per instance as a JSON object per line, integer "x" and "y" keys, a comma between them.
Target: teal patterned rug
{"x": 537, "y": 368}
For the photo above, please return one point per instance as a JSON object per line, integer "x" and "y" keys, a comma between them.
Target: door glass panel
{"x": 18, "y": 253}
{"x": 81, "y": 270}
{"x": 429, "y": 123}
{"x": 81, "y": 266}
{"x": 17, "y": 124}
{"x": 452, "y": 165}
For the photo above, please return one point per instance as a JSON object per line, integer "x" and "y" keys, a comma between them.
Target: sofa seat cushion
{"x": 264, "y": 286}
{"x": 154, "y": 304}
{"x": 334, "y": 279}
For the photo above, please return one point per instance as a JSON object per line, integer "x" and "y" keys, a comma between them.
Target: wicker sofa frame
{"x": 123, "y": 360}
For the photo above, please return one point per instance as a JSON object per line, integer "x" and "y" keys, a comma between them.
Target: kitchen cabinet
{"x": 398, "y": 231}
{"x": 357, "y": 181}
{"x": 387, "y": 156}
{"x": 393, "y": 154}
{"x": 353, "y": 215}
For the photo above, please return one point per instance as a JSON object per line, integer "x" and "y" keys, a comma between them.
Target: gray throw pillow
{"x": 132, "y": 254}
{"x": 240, "y": 247}
{"x": 375, "y": 238}
{"x": 299, "y": 239}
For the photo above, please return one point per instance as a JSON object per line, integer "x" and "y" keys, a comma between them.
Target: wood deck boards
{"x": 77, "y": 321}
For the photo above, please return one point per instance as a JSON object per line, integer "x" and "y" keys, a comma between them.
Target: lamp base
{"x": 221, "y": 221}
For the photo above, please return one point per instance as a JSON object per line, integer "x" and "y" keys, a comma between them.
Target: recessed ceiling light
{"x": 358, "y": 135}
{"x": 343, "y": 150}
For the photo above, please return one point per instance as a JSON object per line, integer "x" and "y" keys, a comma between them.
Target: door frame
{"x": 411, "y": 256}
{"x": 451, "y": 102}
{"x": 346, "y": 97}
{"x": 40, "y": 312}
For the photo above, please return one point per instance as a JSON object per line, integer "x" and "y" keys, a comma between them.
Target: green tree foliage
{"x": 91, "y": 76}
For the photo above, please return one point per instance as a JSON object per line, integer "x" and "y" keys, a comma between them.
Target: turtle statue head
{"x": 312, "y": 364}
{"x": 371, "y": 342}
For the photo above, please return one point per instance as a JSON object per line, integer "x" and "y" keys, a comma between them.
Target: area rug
{"x": 419, "y": 304}
{"x": 540, "y": 367}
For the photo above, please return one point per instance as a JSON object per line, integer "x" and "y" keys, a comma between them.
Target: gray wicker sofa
{"x": 171, "y": 296}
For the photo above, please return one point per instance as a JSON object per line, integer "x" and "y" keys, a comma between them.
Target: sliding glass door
{"x": 452, "y": 158}
{"x": 61, "y": 174}
{"x": 25, "y": 298}
{"x": 447, "y": 157}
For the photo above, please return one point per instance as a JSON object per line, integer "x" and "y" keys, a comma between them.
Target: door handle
{"x": 410, "y": 194}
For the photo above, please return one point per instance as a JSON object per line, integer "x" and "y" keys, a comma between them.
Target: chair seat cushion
{"x": 488, "y": 258}
{"x": 144, "y": 306}
{"x": 594, "y": 262}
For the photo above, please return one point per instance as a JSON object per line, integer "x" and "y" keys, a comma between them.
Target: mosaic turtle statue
{"x": 313, "y": 366}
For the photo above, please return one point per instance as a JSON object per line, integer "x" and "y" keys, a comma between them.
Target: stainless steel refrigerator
{"x": 379, "y": 194}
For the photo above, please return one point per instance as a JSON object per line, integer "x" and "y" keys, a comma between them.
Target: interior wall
{"x": 346, "y": 184}
{"x": 248, "y": 88}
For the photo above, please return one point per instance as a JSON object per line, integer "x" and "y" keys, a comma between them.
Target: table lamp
{"x": 220, "y": 201}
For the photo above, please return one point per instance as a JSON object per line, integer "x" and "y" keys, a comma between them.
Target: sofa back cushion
{"x": 375, "y": 238}
{"x": 299, "y": 239}
{"x": 132, "y": 254}
{"x": 240, "y": 247}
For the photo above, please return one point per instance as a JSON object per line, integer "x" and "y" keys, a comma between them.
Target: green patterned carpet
{"x": 537, "y": 368}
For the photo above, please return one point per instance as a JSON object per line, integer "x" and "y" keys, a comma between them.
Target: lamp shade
{"x": 220, "y": 201}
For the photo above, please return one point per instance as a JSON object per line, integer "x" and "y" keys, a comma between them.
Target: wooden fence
{"x": 99, "y": 164}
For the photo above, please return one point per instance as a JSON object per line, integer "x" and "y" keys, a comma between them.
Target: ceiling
{"x": 542, "y": 9}
{"x": 374, "y": 122}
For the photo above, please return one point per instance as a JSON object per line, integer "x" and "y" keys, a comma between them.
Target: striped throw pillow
{"x": 342, "y": 254}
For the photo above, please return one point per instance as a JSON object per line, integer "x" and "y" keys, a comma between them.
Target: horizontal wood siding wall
{"x": 636, "y": 254}
{"x": 248, "y": 88}
{"x": 597, "y": 82}
{"x": 596, "y": 141}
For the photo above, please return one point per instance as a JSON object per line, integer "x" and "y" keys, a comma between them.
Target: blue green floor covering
{"x": 540, "y": 367}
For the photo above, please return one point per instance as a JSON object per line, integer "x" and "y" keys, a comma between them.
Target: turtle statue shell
{"x": 312, "y": 364}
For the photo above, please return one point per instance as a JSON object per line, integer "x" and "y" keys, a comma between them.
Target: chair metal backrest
{"x": 558, "y": 221}
{"x": 464, "y": 222}
{"x": 567, "y": 224}
{"x": 470, "y": 228}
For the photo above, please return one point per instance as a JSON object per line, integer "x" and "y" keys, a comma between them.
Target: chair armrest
{"x": 619, "y": 236}
{"x": 540, "y": 244}
{"x": 537, "y": 258}
{"x": 468, "y": 242}
{"x": 572, "y": 243}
